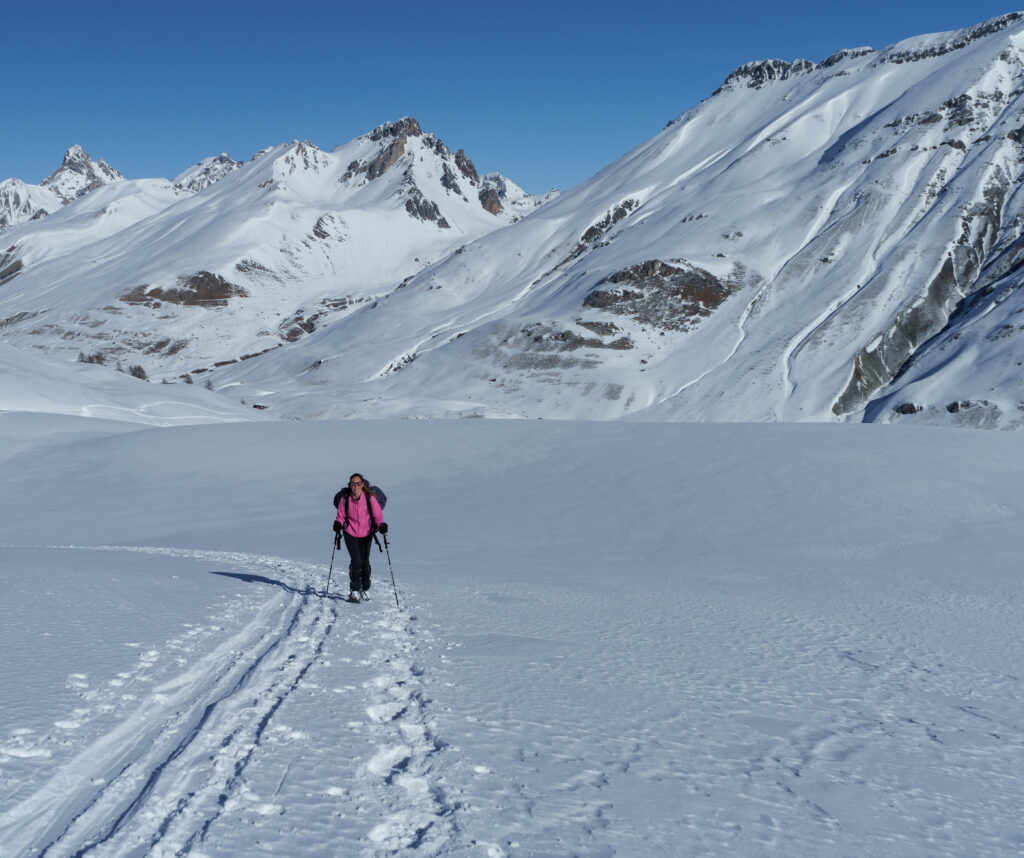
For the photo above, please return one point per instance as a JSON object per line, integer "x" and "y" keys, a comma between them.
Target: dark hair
{"x": 362, "y": 479}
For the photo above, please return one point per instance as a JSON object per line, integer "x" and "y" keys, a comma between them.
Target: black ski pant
{"x": 359, "y": 565}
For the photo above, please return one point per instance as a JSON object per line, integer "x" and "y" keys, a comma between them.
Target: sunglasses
{"x": 356, "y": 483}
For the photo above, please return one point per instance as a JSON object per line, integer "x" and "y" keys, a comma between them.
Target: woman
{"x": 359, "y": 515}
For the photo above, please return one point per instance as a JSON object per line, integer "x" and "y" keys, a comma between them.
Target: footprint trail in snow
{"x": 180, "y": 752}
{"x": 417, "y": 810}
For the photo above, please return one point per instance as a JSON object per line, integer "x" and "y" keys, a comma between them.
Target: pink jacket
{"x": 358, "y": 523}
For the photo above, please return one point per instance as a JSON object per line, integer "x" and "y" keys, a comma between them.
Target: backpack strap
{"x": 369, "y": 511}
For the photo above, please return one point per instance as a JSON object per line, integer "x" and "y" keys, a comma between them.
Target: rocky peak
{"x": 499, "y": 183}
{"x": 304, "y": 156}
{"x": 206, "y": 172}
{"x": 394, "y": 136}
{"x": 758, "y": 73}
{"x": 404, "y": 127}
{"x": 78, "y": 175}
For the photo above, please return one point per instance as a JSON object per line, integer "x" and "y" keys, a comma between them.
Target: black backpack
{"x": 368, "y": 490}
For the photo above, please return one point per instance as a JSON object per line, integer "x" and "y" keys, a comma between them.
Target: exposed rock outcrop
{"x": 879, "y": 361}
{"x": 407, "y": 126}
{"x": 961, "y": 40}
{"x": 448, "y": 180}
{"x": 757, "y": 74}
{"x": 421, "y": 208}
{"x": 597, "y": 231}
{"x": 398, "y": 133}
{"x": 466, "y": 167}
{"x": 662, "y": 296}
{"x": 330, "y": 227}
{"x": 544, "y": 347}
{"x": 489, "y": 200}
{"x": 845, "y": 54}
{"x": 10, "y": 265}
{"x": 202, "y": 289}
{"x": 302, "y": 322}
{"x": 206, "y": 172}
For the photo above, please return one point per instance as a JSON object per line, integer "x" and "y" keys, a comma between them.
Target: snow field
{"x": 150, "y": 780}
{"x": 614, "y": 639}
{"x": 174, "y": 759}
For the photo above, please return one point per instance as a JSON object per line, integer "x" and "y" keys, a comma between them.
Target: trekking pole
{"x": 337, "y": 539}
{"x": 392, "y": 571}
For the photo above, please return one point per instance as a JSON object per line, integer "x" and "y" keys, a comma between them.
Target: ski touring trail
{"x": 806, "y": 641}
{"x": 194, "y": 747}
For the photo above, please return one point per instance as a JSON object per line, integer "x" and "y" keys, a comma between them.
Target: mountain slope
{"x": 228, "y": 261}
{"x": 776, "y": 253}
{"x": 815, "y": 241}
{"x": 31, "y": 382}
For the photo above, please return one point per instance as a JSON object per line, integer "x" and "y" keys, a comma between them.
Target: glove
{"x": 383, "y": 527}
{"x": 337, "y": 526}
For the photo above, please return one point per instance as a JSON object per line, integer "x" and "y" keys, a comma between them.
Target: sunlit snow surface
{"x": 631, "y": 639}
{"x": 30, "y": 382}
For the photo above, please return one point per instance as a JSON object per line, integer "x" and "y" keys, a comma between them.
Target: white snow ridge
{"x": 775, "y": 611}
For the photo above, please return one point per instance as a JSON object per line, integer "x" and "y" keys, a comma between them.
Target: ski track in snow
{"x": 811, "y": 733}
{"x": 797, "y": 344}
{"x": 158, "y": 781}
{"x": 741, "y": 335}
{"x": 813, "y": 233}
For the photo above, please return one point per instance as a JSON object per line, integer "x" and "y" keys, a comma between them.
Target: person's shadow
{"x": 249, "y": 578}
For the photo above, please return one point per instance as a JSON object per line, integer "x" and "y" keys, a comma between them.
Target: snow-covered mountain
{"x": 78, "y": 175}
{"x": 834, "y": 240}
{"x": 792, "y": 248}
{"x": 206, "y": 172}
{"x": 20, "y": 202}
{"x": 230, "y": 260}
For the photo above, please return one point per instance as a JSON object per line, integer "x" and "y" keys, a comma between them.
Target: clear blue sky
{"x": 546, "y": 93}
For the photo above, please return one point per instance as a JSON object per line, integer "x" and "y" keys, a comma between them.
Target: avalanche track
{"x": 158, "y": 782}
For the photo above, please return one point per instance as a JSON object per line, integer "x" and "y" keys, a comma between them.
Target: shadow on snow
{"x": 249, "y": 578}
